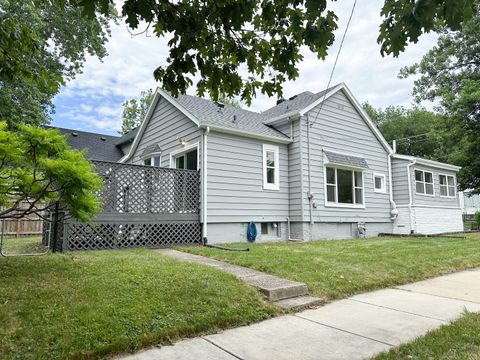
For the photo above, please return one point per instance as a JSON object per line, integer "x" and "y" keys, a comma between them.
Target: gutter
{"x": 204, "y": 186}
{"x": 226, "y": 130}
{"x": 410, "y": 197}
{"x": 310, "y": 195}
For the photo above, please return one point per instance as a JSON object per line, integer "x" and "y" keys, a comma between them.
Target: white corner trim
{"x": 188, "y": 148}
{"x": 275, "y": 150}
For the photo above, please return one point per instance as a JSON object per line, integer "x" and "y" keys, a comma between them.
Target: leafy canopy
{"x": 215, "y": 40}
{"x": 134, "y": 111}
{"x": 450, "y": 74}
{"x": 37, "y": 169}
{"x": 43, "y": 44}
{"x": 414, "y": 130}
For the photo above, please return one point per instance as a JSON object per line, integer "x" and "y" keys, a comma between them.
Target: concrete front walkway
{"x": 355, "y": 328}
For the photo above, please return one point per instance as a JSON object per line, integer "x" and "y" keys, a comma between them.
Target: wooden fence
{"x": 22, "y": 227}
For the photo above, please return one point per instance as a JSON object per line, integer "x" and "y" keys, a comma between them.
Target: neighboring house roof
{"x": 99, "y": 146}
{"x": 426, "y": 162}
{"x": 348, "y": 160}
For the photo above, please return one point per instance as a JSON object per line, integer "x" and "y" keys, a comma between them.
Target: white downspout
{"x": 410, "y": 197}
{"x": 204, "y": 183}
{"x": 394, "y": 211}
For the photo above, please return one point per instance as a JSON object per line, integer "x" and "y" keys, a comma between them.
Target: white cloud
{"x": 93, "y": 100}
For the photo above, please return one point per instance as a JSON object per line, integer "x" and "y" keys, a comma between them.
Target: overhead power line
{"x": 335, "y": 63}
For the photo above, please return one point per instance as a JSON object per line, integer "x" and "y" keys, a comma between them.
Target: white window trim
{"x": 343, "y": 205}
{"x": 151, "y": 156}
{"x": 415, "y": 182}
{"x": 454, "y": 186}
{"x": 275, "y": 149}
{"x": 383, "y": 190}
{"x": 176, "y": 153}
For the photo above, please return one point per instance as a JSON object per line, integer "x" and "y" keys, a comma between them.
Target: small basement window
{"x": 447, "y": 185}
{"x": 379, "y": 183}
{"x": 269, "y": 228}
{"x": 424, "y": 183}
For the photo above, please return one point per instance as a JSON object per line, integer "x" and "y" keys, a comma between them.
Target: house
{"x": 312, "y": 167}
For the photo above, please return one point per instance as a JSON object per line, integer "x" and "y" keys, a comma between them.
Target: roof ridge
{"x": 82, "y": 131}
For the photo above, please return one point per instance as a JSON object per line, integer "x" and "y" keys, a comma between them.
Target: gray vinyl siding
{"x": 339, "y": 127}
{"x": 166, "y": 126}
{"x": 400, "y": 181}
{"x": 294, "y": 170}
{"x": 437, "y": 200}
{"x": 235, "y": 181}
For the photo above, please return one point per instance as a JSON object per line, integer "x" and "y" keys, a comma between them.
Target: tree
{"x": 38, "y": 169}
{"x": 134, "y": 111}
{"x": 415, "y": 130}
{"x": 230, "y": 102}
{"x": 43, "y": 44}
{"x": 450, "y": 74}
{"x": 213, "y": 39}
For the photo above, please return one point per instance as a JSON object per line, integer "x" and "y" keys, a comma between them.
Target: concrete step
{"x": 275, "y": 288}
{"x": 299, "y": 302}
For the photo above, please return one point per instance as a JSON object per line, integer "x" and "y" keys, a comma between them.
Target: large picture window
{"x": 447, "y": 185}
{"x": 424, "y": 182}
{"x": 344, "y": 187}
{"x": 271, "y": 170}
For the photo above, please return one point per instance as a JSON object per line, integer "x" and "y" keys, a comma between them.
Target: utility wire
{"x": 335, "y": 63}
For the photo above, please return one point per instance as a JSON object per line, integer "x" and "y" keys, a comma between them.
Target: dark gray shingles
{"x": 100, "y": 147}
{"x": 295, "y": 103}
{"x": 151, "y": 149}
{"x": 128, "y": 137}
{"x": 347, "y": 160}
{"x": 209, "y": 113}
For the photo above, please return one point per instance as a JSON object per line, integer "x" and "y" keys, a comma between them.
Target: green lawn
{"x": 90, "y": 304}
{"x": 338, "y": 269}
{"x": 459, "y": 340}
{"x": 23, "y": 245}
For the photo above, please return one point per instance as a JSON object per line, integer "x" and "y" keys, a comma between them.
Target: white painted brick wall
{"x": 437, "y": 220}
{"x": 401, "y": 224}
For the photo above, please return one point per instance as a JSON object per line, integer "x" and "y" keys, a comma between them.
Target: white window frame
{"x": 336, "y": 203}
{"x": 383, "y": 189}
{"x": 447, "y": 186}
{"x": 275, "y": 150}
{"x": 424, "y": 182}
{"x": 150, "y": 157}
{"x": 176, "y": 153}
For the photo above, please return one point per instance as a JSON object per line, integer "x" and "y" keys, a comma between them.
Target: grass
{"x": 339, "y": 269}
{"x": 23, "y": 245}
{"x": 459, "y": 340}
{"x": 92, "y": 304}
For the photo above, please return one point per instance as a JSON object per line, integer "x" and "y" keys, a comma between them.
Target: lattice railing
{"x": 147, "y": 189}
{"x": 141, "y": 206}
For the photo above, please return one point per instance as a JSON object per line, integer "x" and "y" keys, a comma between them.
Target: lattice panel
{"x": 108, "y": 235}
{"x": 147, "y": 189}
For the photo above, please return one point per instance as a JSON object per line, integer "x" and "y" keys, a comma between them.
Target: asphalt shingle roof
{"x": 100, "y": 147}
{"x": 209, "y": 113}
{"x": 128, "y": 136}
{"x": 295, "y": 103}
{"x": 151, "y": 149}
{"x": 347, "y": 160}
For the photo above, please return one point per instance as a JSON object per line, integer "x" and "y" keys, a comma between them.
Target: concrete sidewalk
{"x": 355, "y": 328}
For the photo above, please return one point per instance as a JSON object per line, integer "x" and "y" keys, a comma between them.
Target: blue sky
{"x": 93, "y": 101}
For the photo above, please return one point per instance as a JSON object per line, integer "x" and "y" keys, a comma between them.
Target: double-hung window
{"x": 271, "y": 170}
{"x": 424, "y": 182}
{"x": 447, "y": 185}
{"x": 344, "y": 187}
